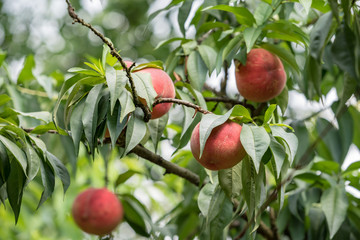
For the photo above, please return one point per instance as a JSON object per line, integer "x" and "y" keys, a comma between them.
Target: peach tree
{"x": 224, "y": 122}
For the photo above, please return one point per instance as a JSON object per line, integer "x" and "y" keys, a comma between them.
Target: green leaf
{"x": 26, "y": 72}
{"x": 207, "y": 124}
{"x": 282, "y": 99}
{"x": 230, "y": 181}
{"x": 4, "y": 163}
{"x": 42, "y": 129}
{"x": 59, "y": 169}
{"x": 279, "y": 153}
{"x": 197, "y": 70}
{"x": 189, "y": 124}
{"x": 329, "y": 167}
{"x": 198, "y": 96}
{"x": 306, "y": 4}
{"x": 188, "y": 112}
{"x": 269, "y": 112}
{"x": 152, "y": 64}
{"x": 84, "y": 71}
{"x": 351, "y": 168}
{"x": 79, "y": 80}
{"x": 43, "y": 115}
{"x": 204, "y": 198}
{"x": 183, "y": 14}
{"x": 156, "y": 128}
{"x": 205, "y": 27}
{"x": 232, "y": 47}
{"x": 4, "y": 99}
{"x": 116, "y": 81}
{"x": 124, "y": 177}
{"x": 289, "y": 138}
{"x": 334, "y": 203}
{"x": 105, "y": 53}
{"x": 332, "y": 140}
{"x": 189, "y": 46}
{"x": 248, "y": 183}
{"x": 33, "y": 162}
{"x": 2, "y": 57}
{"x": 287, "y": 31}
{"x": 136, "y": 215}
{"x": 346, "y": 131}
{"x": 144, "y": 87}
{"x": 243, "y": 15}
{"x": 355, "y": 115}
{"x": 262, "y": 13}
{"x": 96, "y": 65}
{"x": 319, "y": 35}
{"x": 135, "y": 132}
{"x": 15, "y": 187}
{"x": 220, "y": 215}
{"x": 114, "y": 125}
{"x": 283, "y": 54}
{"x": 89, "y": 115}
{"x": 48, "y": 181}
{"x": 167, "y": 41}
{"x": 347, "y": 91}
{"x": 241, "y": 111}
{"x": 170, "y": 5}
{"x": 343, "y": 51}
{"x": 16, "y": 152}
{"x": 208, "y": 55}
{"x": 76, "y": 124}
{"x": 250, "y": 37}
{"x": 255, "y": 141}
{"x": 127, "y": 104}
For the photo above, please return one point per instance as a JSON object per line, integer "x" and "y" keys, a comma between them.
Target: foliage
{"x": 295, "y": 181}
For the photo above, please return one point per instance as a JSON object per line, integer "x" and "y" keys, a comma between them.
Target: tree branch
{"x": 230, "y": 101}
{"x": 169, "y": 166}
{"x": 274, "y": 227}
{"x": 263, "y": 229}
{"x": 225, "y": 79}
{"x": 114, "y": 53}
{"x": 182, "y": 102}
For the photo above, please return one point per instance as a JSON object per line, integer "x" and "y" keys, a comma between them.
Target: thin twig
{"x": 263, "y": 229}
{"x": 230, "y": 101}
{"x": 182, "y": 102}
{"x": 114, "y": 53}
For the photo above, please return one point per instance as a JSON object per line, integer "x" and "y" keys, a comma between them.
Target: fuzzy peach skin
{"x": 223, "y": 148}
{"x": 164, "y": 87}
{"x": 262, "y": 78}
{"x": 97, "y": 211}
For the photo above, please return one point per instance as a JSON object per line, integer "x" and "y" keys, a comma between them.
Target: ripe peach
{"x": 262, "y": 78}
{"x": 164, "y": 87}
{"x": 97, "y": 211}
{"x": 223, "y": 148}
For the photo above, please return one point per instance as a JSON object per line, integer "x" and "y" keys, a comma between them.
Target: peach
{"x": 164, "y": 87}
{"x": 262, "y": 78}
{"x": 97, "y": 211}
{"x": 223, "y": 148}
